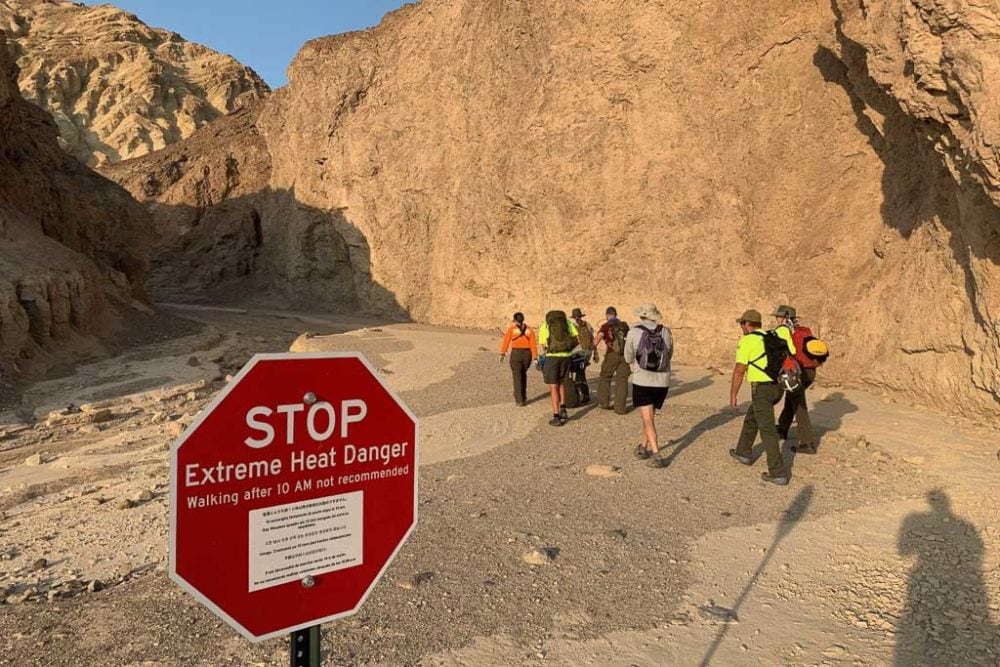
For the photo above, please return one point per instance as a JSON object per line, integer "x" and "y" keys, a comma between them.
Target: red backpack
{"x": 799, "y": 337}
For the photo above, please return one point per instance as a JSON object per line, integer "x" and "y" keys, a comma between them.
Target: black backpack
{"x": 775, "y": 353}
{"x": 780, "y": 366}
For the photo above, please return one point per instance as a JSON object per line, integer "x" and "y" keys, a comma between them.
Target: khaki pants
{"x": 760, "y": 417}
{"x": 614, "y": 366}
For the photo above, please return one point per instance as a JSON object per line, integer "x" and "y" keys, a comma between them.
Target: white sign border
{"x": 179, "y": 442}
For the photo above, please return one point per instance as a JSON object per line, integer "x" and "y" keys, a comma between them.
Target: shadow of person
{"x": 830, "y": 412}
{"x": 946, "y": 618}
{"x": 677, "y": 387}
{"x": 544, "y": 396}
{"x": 707, "y": 424}
{"x": 825, "y": 416}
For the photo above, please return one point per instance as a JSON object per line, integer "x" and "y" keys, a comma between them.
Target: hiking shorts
{"x": 556, "y": 369}
{"x": 654, "y": 396}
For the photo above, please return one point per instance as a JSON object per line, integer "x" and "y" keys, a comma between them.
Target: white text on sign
{"x": 320, "y": 420}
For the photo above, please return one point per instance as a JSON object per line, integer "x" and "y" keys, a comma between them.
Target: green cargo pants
{"x": 614, "y": 366}
{"x": 760, "y": 417}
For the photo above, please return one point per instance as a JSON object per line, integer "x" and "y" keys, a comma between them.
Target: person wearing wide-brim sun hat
{"x": 649, "y": 348}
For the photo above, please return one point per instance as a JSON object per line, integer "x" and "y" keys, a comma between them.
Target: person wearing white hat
{"x": 649, "y": 348}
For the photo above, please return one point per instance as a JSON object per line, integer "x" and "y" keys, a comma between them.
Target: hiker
{"x": 648, "y": 350}
{"x": 612, "y": 333}
{"x": 795, "y": 406}
{"x": 558, "y": 337}
{"x": 751, "y": 361}
{"x": 520, "y": 340}
{"x": 581, "y": 357}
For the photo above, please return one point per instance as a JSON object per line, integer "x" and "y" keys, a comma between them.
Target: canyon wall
{"x": 116, "y": 87}
{"x": 468, "y": 158}
{"x": 73, "y": 245}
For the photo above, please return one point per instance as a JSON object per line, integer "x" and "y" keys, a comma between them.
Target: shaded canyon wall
{"x": 73, "y": 245}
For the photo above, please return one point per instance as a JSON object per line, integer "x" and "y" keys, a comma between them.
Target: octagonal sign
{"x": 292, "y": 491}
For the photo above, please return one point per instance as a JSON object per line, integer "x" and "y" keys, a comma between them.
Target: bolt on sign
{"x": 292, "y": 491}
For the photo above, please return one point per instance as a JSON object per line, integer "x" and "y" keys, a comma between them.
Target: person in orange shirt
{"x": 520, "y": 340}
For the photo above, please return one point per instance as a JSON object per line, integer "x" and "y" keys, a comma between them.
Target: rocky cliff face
{"x": 924, "y": 76}
{"x": 73, "y": 245}
{"x": 469, "y": 158}
{"x": 116, "y": 87}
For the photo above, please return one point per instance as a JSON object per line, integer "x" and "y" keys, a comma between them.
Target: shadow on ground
{"x": 946, "y": 620}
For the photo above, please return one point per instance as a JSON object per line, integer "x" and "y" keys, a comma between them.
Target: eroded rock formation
{"x": 472, "y": 157}
{"x": 116, "y": 87}
{"x": 924, "y": 76}
{"x": 73, "y": 245}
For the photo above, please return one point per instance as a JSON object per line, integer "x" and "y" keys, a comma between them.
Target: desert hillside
{"x": 116, "y": 87}
{"x": 466, "y": 159}
{"x": 75, "y": 245}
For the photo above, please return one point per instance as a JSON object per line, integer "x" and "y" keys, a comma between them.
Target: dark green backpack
{"x": 559, "y": 338}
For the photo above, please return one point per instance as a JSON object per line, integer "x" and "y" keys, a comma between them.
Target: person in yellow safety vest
{"x": 520, "y": 340}
{"x": 765, "y": 393}
{"x": 557, "y": 338}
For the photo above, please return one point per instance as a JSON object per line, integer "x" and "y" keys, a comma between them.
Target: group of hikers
{"x": 779, "y": 363}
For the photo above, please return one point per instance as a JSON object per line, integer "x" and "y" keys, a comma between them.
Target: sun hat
{"x": 750, "y": 315}
{"x": 577, "y": 313}
{"x": 648, "y": 311}
{"x": 784, "y": 311}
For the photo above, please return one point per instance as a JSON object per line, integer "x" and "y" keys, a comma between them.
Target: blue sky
{"x": 264, "y": 34}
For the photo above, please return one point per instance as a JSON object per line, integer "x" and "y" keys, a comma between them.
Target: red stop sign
{"x": 292, "y": 491}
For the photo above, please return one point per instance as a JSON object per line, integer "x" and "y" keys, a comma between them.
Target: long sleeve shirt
{"x": 641, "y": 376}
{"x": 514, "y": 339}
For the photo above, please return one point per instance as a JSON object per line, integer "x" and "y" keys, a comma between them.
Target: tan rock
{"x": 143, "y": 496}
{"x": 539, "y": 556}
{"x": 100, "y": 416}
{"x": 605, "y": 471}
{"x": 116, "y": 87}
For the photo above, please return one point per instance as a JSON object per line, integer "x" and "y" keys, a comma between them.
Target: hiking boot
{"x": 804, "y": 449}
{"x": 780, "y": 481}
{"x": 521, "y": 404}
{"x": 745, "y": 460}
{"x": 641, "y": 452}
{"x": 602, "y": 406}
{"x": 563, "y": 415}
{"x": 555, "y": 421}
